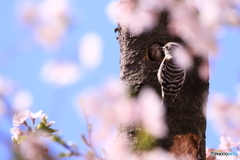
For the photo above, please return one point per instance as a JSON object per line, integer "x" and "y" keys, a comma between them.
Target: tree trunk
{"x": 185, "y": 118}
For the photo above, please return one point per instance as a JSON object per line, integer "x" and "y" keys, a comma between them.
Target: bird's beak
{"x": 162, "y": 48}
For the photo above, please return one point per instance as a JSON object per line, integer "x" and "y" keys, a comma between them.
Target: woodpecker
{"x": 170, "y": 74}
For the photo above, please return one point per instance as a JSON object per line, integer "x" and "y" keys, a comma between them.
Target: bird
{"x": 171, "y": 74}
{"x": 155, "y": 52}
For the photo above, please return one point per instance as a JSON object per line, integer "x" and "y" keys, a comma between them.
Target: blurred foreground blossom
{"x": 50, "y": 34}
{"x": 54, "y": 10}
{"x": 33, "y": 148}
{"x": 183, "y": 58}
{"x": 2, "y": 107}
{"x": 6, "y": 86}
{"x": 90, "y": 50}
{"x": 22, "y": 101}
{"x": 110, "y": 9}
{"x": 157, "y": 154}
{"x": 225, "y": 115}
{"x": 215, "y": 12}
{"x": 185, "y": 23}
{"x": 112, "y": 106}
{"x": 152, "y": 112}
{"x": 16, "y": 132}
{"x": 203, "y": 71}
{"x": 196, "y": 22}
{"x": 226, "y": 143}
{"x": 60, "y": 73}
{"x": 49, "y": 20}
{"x": 130, "y": 16}
{"x": 27, "y": 12}
{"x": 117, "y": 149}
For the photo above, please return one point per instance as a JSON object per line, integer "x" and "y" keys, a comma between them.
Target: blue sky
{"x": 21, "y": 61}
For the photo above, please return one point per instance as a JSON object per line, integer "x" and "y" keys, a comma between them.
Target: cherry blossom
{"x": 48, "y": 124}
{"x": 60, "y": 73}
{"x": 225, "y": 115}
{"x": 226, "y": 143}
{"x": 118, "y": 149}
{"x": 90, "y": 50}
{"x": 27, "y": 12}
{"x": 111, "y": 106}
{"x": 2, "y": 107}
{"x": 49, "y": 19}
{"x": 20, "y": 118}
{"x": 43, "y": 117}
{"x": 16, "y": 132}
{"x": 35, "y": 115}
{"x": 33, "y": 147}
{"x": 22, "y": 101}
{"x": 152, "y": 112}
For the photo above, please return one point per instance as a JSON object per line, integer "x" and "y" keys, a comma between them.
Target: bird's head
{"x": 170, "y": 48}
{"x": 155, "y": 52}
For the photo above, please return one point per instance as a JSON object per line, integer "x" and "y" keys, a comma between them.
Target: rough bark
{"x": 184, "y": 117}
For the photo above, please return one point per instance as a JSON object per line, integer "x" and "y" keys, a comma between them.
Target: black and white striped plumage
{"x": 170, "y": 74}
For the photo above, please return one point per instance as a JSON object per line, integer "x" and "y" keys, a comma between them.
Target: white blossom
{"x": 22, "y": 101}
{"x": 33, "y": 147}
{"x": 226, "y": 143}
{"x": 90, "y": 50}
{"x": 2, "y": 107}
{"x": 6, "y": 86}
{"x": 152, "y": 112}
{"x": 20, "y": 118}
{"x": 28, "y": 12}
{"x": 225, "y": 115}
{"x": 48, "y": 124}
{"x": 49, "y": 34}
{"x": 118, "y": 149}
{"x": 49, "y": 19}
{"x": 35, "y": 115}
{"x": 16, "y": 132}
{"x": 110, "y": 9}
{"x": 157, "y": 154}
{"x": 54, "y": 10}
{"x": 111, "y": 106}
{"x": 183, "y": 58}
{"x": 60, "y": 73}
{"x": 43, "y": 117}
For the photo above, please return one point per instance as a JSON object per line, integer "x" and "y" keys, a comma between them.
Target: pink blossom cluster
{"x": 196, "y": 22}
{"x": 21, "y": 119}
{"x": 226, "y": 145}
{"x": 225, "y": 115}
{"x": 29, "y": 142}
{"x": 111, "y": 106}
{"x": 60, "y": 73}
{"x": 49, "y": 19}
